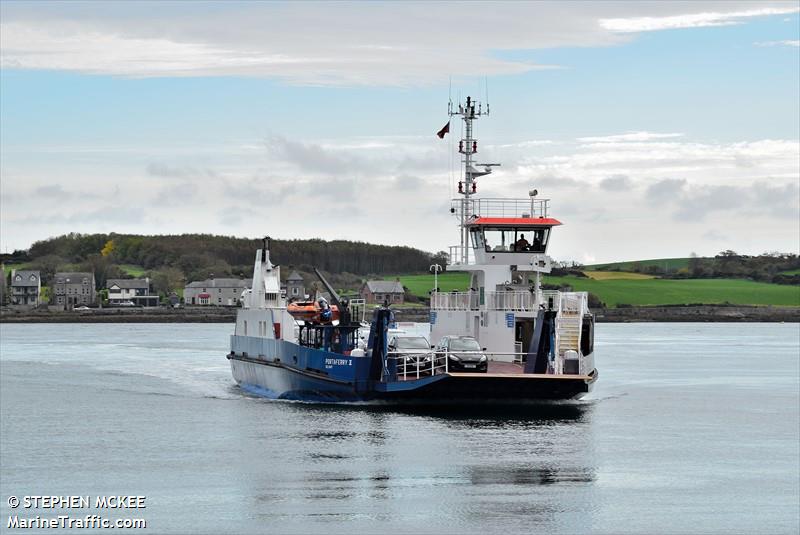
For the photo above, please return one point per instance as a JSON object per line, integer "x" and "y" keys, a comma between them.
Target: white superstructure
{"x": 263, "y": 313}
{"x": 503, "y": 246}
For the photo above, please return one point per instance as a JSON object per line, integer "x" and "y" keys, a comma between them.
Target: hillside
{"x": 642, "y": 290}
{"x": 780, "y": 268}
{"x": 173, "y": 260}
{"x": 663, "y": 264}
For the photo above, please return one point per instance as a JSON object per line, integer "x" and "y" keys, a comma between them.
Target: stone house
{"x": 26, "y": 288}
{"x": 377, "y": 292}
{"x": 295, "y": 287}
{"x": 69, "y": 289}
{"x": 136, "y": 291}
{"x": 214, "y": 292}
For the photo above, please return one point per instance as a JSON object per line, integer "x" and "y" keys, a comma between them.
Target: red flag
{"x": 445, "y": 129}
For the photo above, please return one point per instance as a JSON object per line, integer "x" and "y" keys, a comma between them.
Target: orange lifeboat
{"x": 310, "y": 311}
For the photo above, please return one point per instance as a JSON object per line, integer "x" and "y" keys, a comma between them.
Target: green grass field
{"x": 133, "y": 270}
{"x": 791, "y": 272}
{"x": 616, "y": 275}
{"x": 684, "y": 291}
{"x": 670, "y": 264}
{"x": 421, "y": 285}
{"x": 8, "y": 267}
{"x": 642, "y": 291}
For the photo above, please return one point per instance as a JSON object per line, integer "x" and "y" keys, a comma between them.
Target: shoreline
{"x": 642, "y": 314}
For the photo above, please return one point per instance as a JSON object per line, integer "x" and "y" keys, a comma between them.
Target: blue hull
{"x": 281, "y": 370}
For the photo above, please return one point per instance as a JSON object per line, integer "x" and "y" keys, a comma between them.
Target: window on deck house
{"x": 528, "y": 239}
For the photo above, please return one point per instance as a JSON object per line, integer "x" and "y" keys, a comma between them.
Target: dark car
{"x": 412, "y": 352}
{"x": 463, "y": 354}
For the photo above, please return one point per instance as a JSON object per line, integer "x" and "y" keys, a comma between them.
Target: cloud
{"x": 262, "y": 190}
{"x": 693, "y": 20}
{"x": 105, "y": 216}
{"x": 786, "y": 42}
{"x": 630, "y": 136}
{"x": 665, "y": 191}
{"x": 166, "y": 171}
{"x": 335, "y": 192}
{"x": 696, "y": 202}
{"x": 782, "y": 200}
{"x": 335, "y": 55}
{"x": 353, "y": 44}
{"x": 713, "y": 235}
{"x": 407, "y": 183}
{"x": 231, "y": 216}
{"x": 746, "y": 188}
{"x": 522, "y": 144}
{"x": 656, "y": 159}
{"x": 57, "y": 192}
{"x": 176, "y": 194}
{"x": 311, "y": 157}
{"x": 616, "y": 183}
{"x": 52, "y": 191}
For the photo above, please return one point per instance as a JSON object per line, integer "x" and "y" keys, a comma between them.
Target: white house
{"x": 137, "y": 291}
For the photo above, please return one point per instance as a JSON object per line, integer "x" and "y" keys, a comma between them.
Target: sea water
{"x": 691, "y": 428}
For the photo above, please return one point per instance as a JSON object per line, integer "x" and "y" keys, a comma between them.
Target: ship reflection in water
{"x": 438, "y": 469}
{"x": 530, "y": 476}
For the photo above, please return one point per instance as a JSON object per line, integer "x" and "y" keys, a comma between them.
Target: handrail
{"x": 511, "y": 301}
{"x": 497, "y": 207}
{"x": 433, "y": 367}
{"x": 456, "y": 253}
{"x": 524, "y": 301}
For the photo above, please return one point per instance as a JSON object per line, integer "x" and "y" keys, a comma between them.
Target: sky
{"x": 656, "y": 129}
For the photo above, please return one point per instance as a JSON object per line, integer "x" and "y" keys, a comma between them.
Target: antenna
{"x": 450, "y": 93}
{"x": 468, "y": 147}
{"x": 486, "y": 86}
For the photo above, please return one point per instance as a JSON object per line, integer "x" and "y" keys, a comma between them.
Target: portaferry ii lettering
{"x": 503, "y": 340}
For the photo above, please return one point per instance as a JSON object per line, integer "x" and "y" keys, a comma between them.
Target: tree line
{"x": 728, "y": 264}
{"x": 767, "y": 267}
{"x": 172, "y": 260}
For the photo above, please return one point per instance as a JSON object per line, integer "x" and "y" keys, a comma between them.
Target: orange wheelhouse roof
{"x": 516, "y": 221}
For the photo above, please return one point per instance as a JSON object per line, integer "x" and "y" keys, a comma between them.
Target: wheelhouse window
{"x": 477, "y": 238}
{"x": 511, "y": 239}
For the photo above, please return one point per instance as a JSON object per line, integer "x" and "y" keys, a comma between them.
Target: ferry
{"x": 504, "y": 339}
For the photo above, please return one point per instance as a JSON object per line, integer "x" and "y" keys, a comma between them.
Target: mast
{"x": 468, "y": 146}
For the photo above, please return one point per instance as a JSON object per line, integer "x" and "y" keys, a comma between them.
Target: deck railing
{"x": 570, "y": 302}
{"x": 425, "y": 364}
{"x": 454, "y": 300}
{"x": 517, "y": 300}
{"x": 494, "y": 207}
{"x": 397, "y": 368}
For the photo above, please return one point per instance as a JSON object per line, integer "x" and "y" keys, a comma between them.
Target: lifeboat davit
{"x": 311, "y": 311}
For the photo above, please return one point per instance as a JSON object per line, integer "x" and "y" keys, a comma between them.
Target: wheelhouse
{"x": 511, "y": 234}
